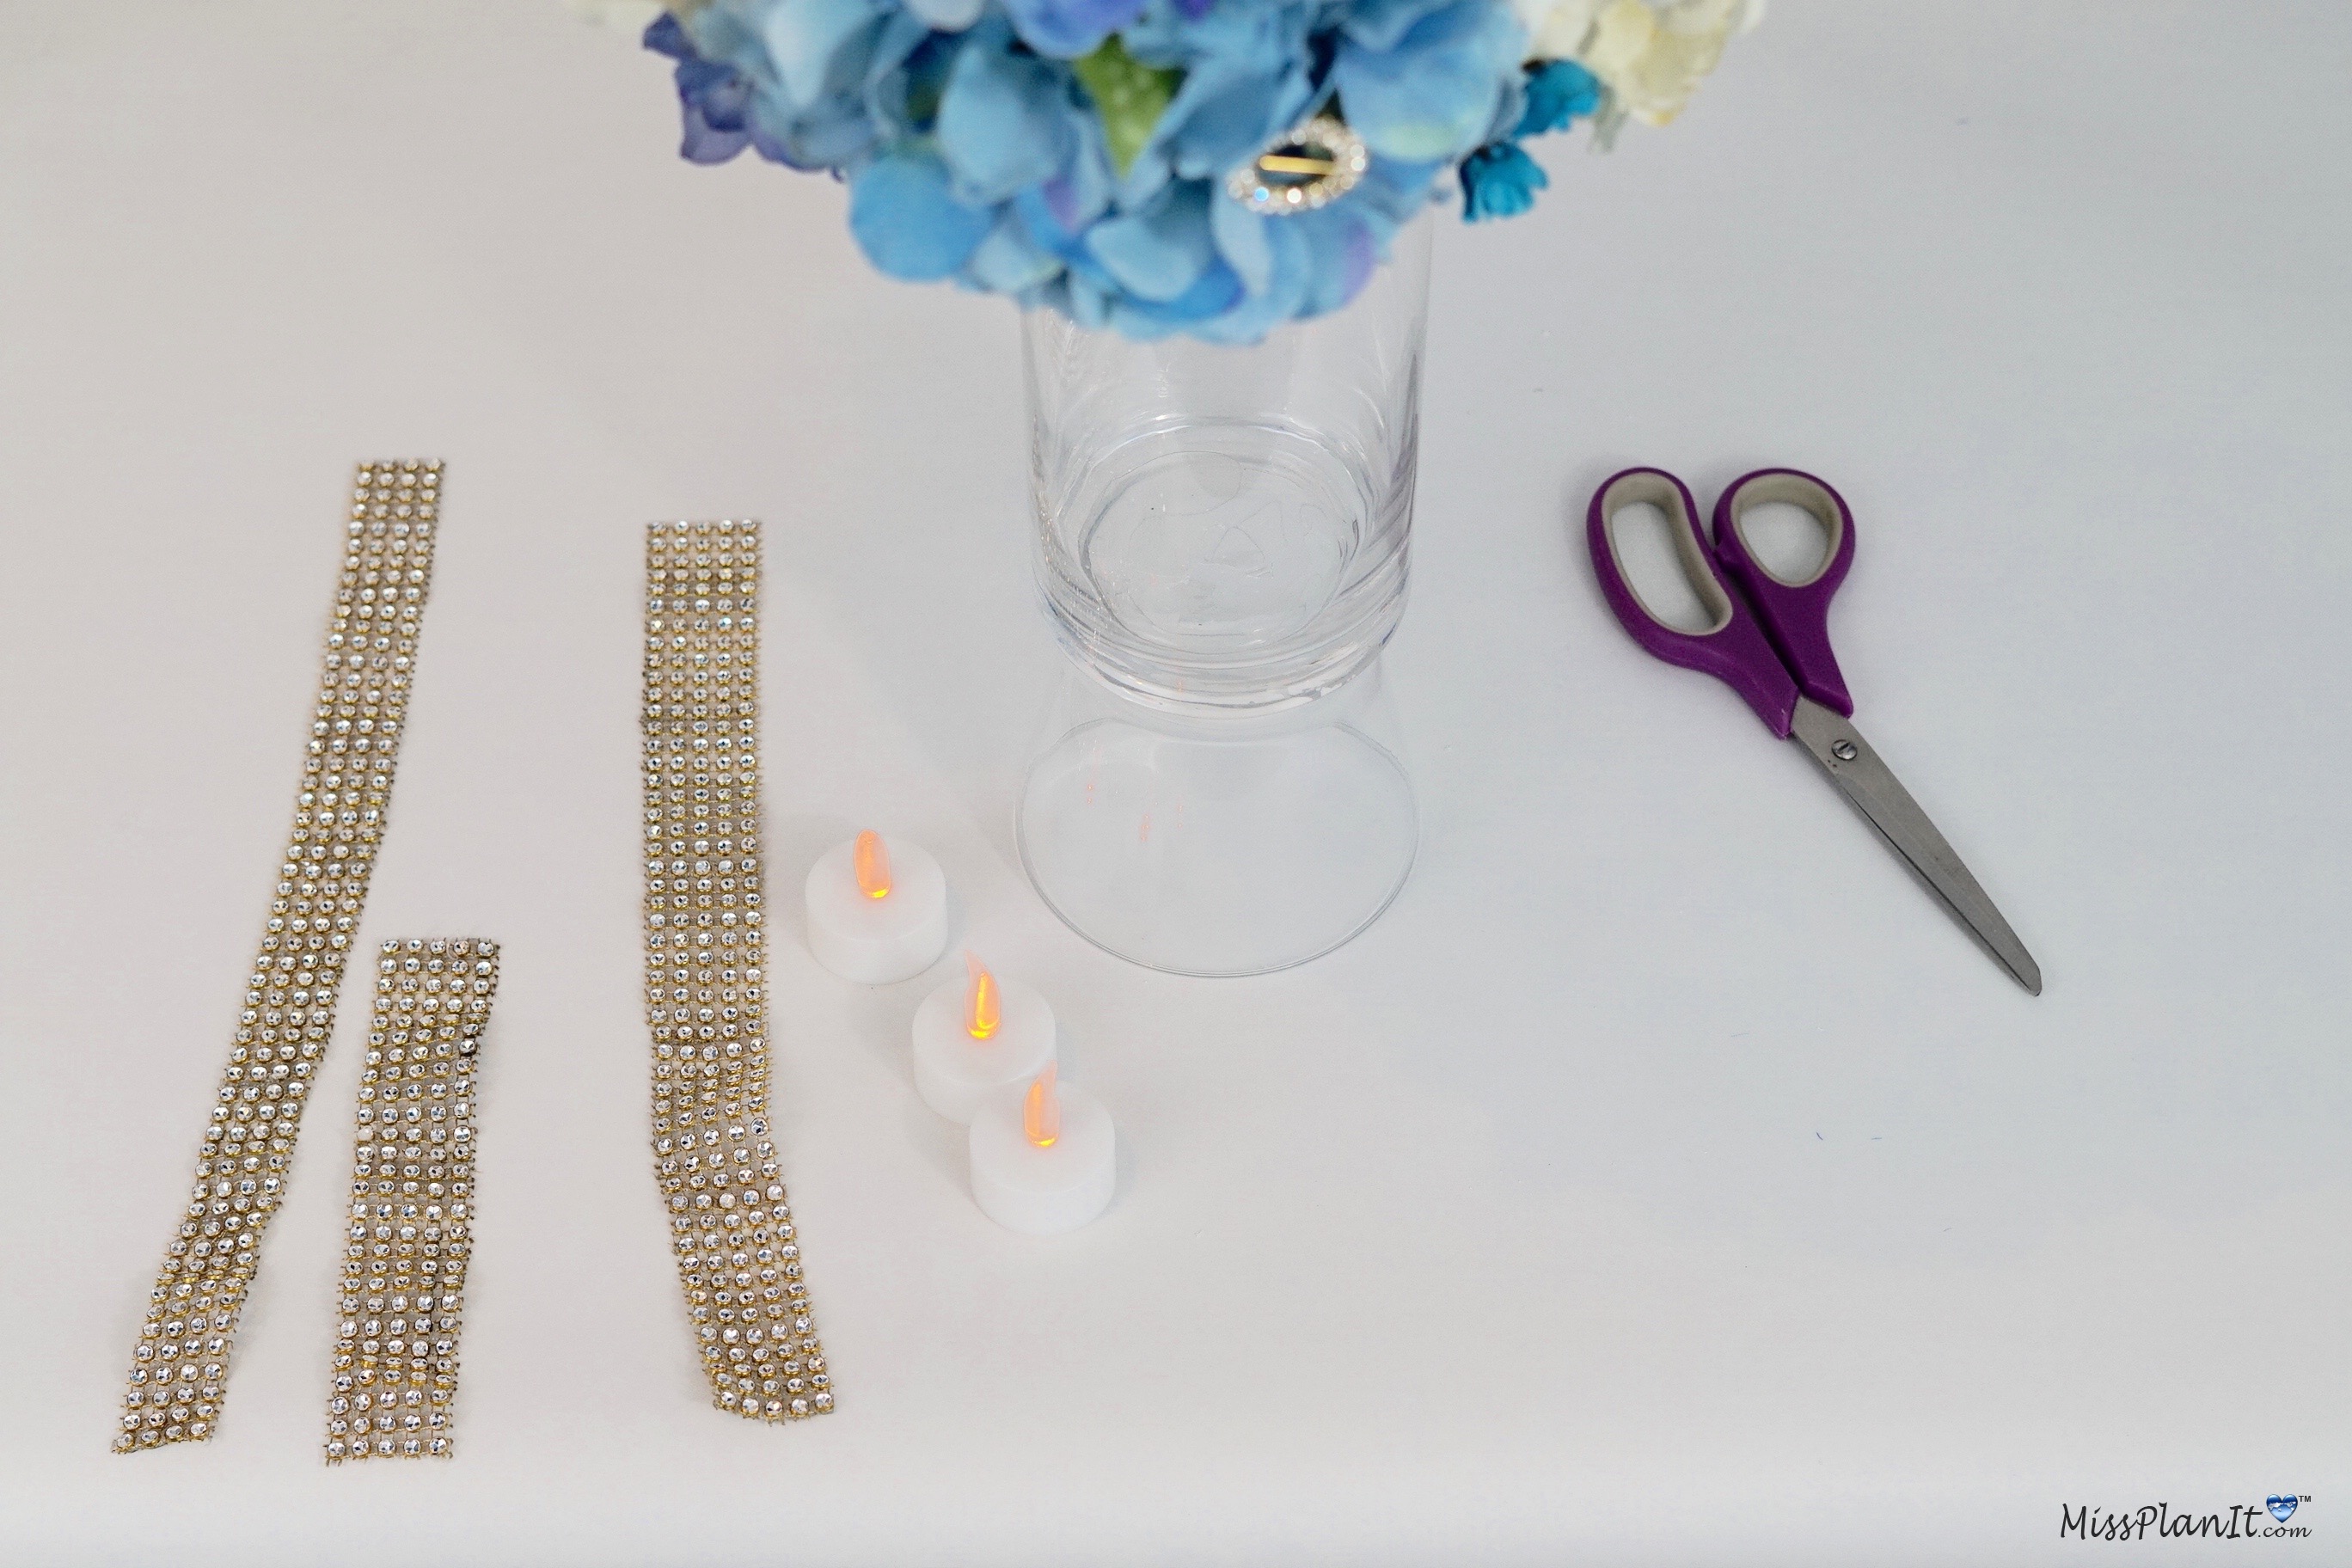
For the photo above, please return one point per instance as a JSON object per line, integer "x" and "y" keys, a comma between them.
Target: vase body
{"x": 1222, "y": 538}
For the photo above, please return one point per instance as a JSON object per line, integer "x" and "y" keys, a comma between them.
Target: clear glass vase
{"x": 1222, "y": 540}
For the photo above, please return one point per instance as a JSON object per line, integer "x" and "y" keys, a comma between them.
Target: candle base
{"x": 1043, "y": 1192}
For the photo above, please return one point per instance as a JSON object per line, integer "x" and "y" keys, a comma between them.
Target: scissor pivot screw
{"x": 1845, "y": 751}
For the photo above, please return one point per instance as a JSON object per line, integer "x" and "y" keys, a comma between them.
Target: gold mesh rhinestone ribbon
{"x": 179, "y": 1374}
{"x": 396, "y": 1374}
{"x": 739, "y": 1257}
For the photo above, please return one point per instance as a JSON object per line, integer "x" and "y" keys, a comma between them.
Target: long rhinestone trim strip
{"x": 412, "y": 1215}
{"x": 738, "y": 1255}
{"x": 179, "y": 1374}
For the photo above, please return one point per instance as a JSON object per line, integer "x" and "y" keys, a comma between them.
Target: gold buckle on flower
{"x": 1309, "y": 165}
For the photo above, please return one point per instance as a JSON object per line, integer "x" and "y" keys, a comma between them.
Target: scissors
{"x": 1770, "y": 641}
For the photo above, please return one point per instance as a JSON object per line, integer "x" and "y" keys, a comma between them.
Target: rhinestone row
{"x": 738, "y": 1255}
{"x": 179, "y": 1374}
{"x": 403, "y": 1295}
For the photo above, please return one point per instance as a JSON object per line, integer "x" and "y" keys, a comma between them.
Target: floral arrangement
{"x": 1214, "y": 167}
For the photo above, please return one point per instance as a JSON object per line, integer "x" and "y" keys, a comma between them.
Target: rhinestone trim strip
{"x": 179, "y": 1372}
{"x": 404, "y": 1296}
{"x": 738, "y": 1255}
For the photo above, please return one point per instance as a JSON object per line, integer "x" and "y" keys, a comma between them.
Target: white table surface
{"x": 1664, "y": 1180}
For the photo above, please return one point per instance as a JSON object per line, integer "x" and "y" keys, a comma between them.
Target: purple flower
{"x": 715, "y": 99}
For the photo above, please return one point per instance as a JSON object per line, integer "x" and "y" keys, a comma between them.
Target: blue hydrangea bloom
{"x": 973, "y": 151}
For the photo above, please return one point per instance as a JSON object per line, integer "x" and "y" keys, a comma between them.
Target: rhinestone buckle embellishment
{"x": 739, "y": 1257}
{"x": 1310, "y": 165}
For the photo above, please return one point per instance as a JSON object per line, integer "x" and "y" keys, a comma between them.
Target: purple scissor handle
{"x": 1768, "y": 639}
{"x": 1735, "y": 648}
{"x": 1795, "y": 616}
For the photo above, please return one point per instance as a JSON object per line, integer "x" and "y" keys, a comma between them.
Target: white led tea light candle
{"x": 878, "y": 909}
{"x": 1044, "y": 1159}
{"x": 977, "y": 1039}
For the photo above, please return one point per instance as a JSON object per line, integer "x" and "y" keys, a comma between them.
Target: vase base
{"x": 1199, "y": 853}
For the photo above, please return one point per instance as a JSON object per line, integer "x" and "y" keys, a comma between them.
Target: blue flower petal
{"x": 830, "y": 134}
{"x": 1006, "y": 121}
{"x": 1395, "y": 189}
{"x": 1510, "y": 108}
{"x": 1434, "y": 95}
{"x": 1247, "y": 76}
{"x": 1220, "y": 117}
{"x": 814, "y": 45}
{"x": 1057, "y": 212}
{"x": 717, "y": 93}
{"x": 663, "y": 36}
{"x": 1158, "y": 253}
{"x": 1211, "y": 294}
{"x": 1285, "y": 294}
{"x": 1064, "y": 29}
{"x": 947, "y": 15}
{"x": 908, "y": 221}
{"x": 1008, "y": 261}
{"x": 1243, "y": 240}
{"x": 906, "y": 75}
{"x": 1088, "y": 302}
{"x": 1382, "y": 24}
{"x": 1343, "y": 250}
{"x": 714, "y": 100}
{"x": 703, "y": 143}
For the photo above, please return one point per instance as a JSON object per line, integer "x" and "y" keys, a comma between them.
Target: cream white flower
{"x": 1557, "y": 28}
{"x": 1649, "y": 54}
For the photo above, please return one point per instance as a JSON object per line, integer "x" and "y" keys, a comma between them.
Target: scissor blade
{"x": 1854, "y": 766}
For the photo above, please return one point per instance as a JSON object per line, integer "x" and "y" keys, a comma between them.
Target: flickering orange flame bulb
{"x": 873, "y": 865}
{"x": 981, "y": 1010}
{"x": 1041, "y": 1113}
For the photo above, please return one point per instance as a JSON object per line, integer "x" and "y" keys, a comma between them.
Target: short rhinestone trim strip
{"x": 412, "y": 1215}
{"x": 179, "y": 1374}
{"x": 738, "y": 1255}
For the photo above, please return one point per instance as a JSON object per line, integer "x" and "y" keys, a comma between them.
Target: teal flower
{"x": 1499, "y": 180}
{"x": 1558, "y": 92}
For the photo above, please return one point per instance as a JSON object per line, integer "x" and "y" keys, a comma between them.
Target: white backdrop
{"x": 1664, "y": 1180}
